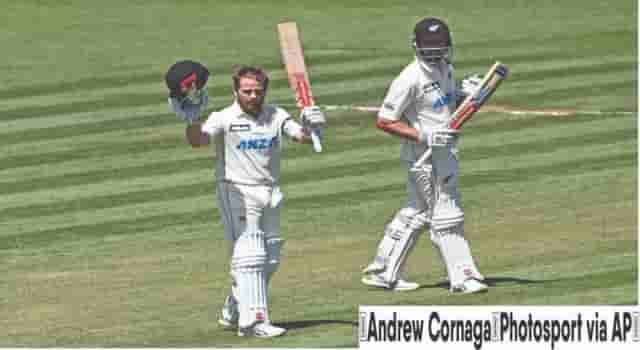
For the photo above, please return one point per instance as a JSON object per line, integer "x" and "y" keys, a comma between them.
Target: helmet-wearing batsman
{"x": 248, "y": 135}
{"x": 417, "y": 108}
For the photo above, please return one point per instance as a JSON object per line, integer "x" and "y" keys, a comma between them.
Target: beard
{"x": 251, "y": 107}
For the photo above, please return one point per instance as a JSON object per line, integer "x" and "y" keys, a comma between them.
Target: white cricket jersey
{"x": 248, "y": 149}
{"x": 424, "y": 96}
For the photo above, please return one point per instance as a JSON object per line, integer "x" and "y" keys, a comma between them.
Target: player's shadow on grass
{"x": 489, "y": 281}
{"x": 305, "y": 324}
{"x": 313, "y": 323}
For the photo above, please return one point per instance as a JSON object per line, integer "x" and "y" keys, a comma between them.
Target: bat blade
{"x": 473, "y": 102}
{"x": 293, "y": 59}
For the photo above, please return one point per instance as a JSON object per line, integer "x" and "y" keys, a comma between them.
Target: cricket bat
{"x": 473, "y": 102}
{"x": 293, "y": 59}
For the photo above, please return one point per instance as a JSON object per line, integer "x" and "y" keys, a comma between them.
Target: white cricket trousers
{"x": 252, "y": 207}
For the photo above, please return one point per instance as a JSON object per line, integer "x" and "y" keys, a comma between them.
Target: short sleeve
{"x": 214, "y": 124}
{"x": 287, "y": 125}
{"x": 397, "y": 99}
{"x": 291, "y": 128}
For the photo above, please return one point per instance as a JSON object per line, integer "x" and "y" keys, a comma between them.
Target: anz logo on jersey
{"x": 434, "y": 90}
{"x": 257, "y": 144}
{"x": 442, "y": 101}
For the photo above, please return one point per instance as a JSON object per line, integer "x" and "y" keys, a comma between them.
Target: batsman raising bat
{"x": 248, "y": 136}
{"x": 420, "y": 108}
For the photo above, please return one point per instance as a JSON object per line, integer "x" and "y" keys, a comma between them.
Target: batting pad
{"x": 400, "y": 236}
{"x": 456, "y": 255}
{"x": 248, "y": 266}
{"x": 274, "y": 248}
{"x": 447, "y": 213}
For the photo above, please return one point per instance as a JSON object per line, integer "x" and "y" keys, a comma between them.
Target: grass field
{"x": 109, "y": 234}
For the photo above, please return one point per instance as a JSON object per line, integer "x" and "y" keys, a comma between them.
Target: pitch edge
{"x": 490, "y": 109}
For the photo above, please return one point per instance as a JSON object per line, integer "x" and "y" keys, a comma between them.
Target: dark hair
{"x": 249, "y": 71}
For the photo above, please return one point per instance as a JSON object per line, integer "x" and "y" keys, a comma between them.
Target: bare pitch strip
{"x": 492, "y": 109}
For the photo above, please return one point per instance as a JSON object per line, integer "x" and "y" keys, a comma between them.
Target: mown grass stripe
{"x": 549, "y": 144}
{"x": 174, "y": 166}
{"x": 116, "y": 80}
{"x": 318, "y": 61}
{"x": 495, "y": 156}
{"x": 21, "y": 166}
{"x": 559, "y": 40}
{"x": 145, "y": 99}
{"x": 183, "y": 191}
{"x": 98, "y": 127}
{"x": 76, "y": 119}
{"x": 336, "y": 121}
{"x": 354, "y": 72}
{"x": 93, "y": 151}
{"x": 112, "y": 102}
{"x": 89, "y": 177}
{"x": 341, "y": 198}
{"x": 105, "y": 104}
{"x": 320, "y": 64}
{"x": 574, "y": 71}
{"x": 592, "y": 89}
{"x": 156, "y": 222}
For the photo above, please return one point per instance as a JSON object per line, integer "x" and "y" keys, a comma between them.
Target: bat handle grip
{"x": 423, "y": 158}
{"x": 316, "y": 135}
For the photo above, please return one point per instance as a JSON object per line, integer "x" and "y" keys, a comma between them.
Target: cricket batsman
{"x": 418, "y": 108}
{"x": 248, "y": 137}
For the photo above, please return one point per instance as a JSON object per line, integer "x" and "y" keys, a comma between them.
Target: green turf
{"x": 110, "y": 234}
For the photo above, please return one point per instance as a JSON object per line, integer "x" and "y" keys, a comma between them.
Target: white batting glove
{"x": 439, "y": 137}
{"x": 313, "y": 117}
{"x": 470, "y": 84}
{"x": 189, "y": 109}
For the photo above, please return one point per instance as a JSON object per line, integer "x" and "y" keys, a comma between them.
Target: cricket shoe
{"x": 261, "y": 330}
{"x": 478, "y": 276}
{"x": 469, "y": 286}
{"x": 229, "y": 316}
{"x": 474, "y": 273}
{"x": 400, "y": 285}
{"x": 374, "y": 267}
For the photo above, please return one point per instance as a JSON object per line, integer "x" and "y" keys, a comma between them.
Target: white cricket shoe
{"x": 477, "y": 275}
{"x": 400, "y": 285}
{"x": 469, "y": 286}
{"x": 474, "y": 273}
{"x": 229, "y": 315}
{"x": 261, "y": 330}
{"x": 374, "y": 267}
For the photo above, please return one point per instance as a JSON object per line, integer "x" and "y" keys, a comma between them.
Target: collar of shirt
{"x": 423, "y": 66}
{"x": 235, "y": 107}
{"x": 236, "y": 110}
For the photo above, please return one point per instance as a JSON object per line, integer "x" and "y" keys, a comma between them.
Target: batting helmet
{"x": 182, "y": 75}
{"x": 432, "y": 40}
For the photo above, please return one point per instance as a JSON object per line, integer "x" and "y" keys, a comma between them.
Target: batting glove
{"x": 189, "y": 109}
{"x": 470, "y": 84}
{"x": 439, "y": 137}
{"x": 313, "y": 116}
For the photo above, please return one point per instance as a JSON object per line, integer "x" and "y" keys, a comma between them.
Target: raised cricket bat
{"x": 293, "y": 59}
{"x": 473, "y": 102}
